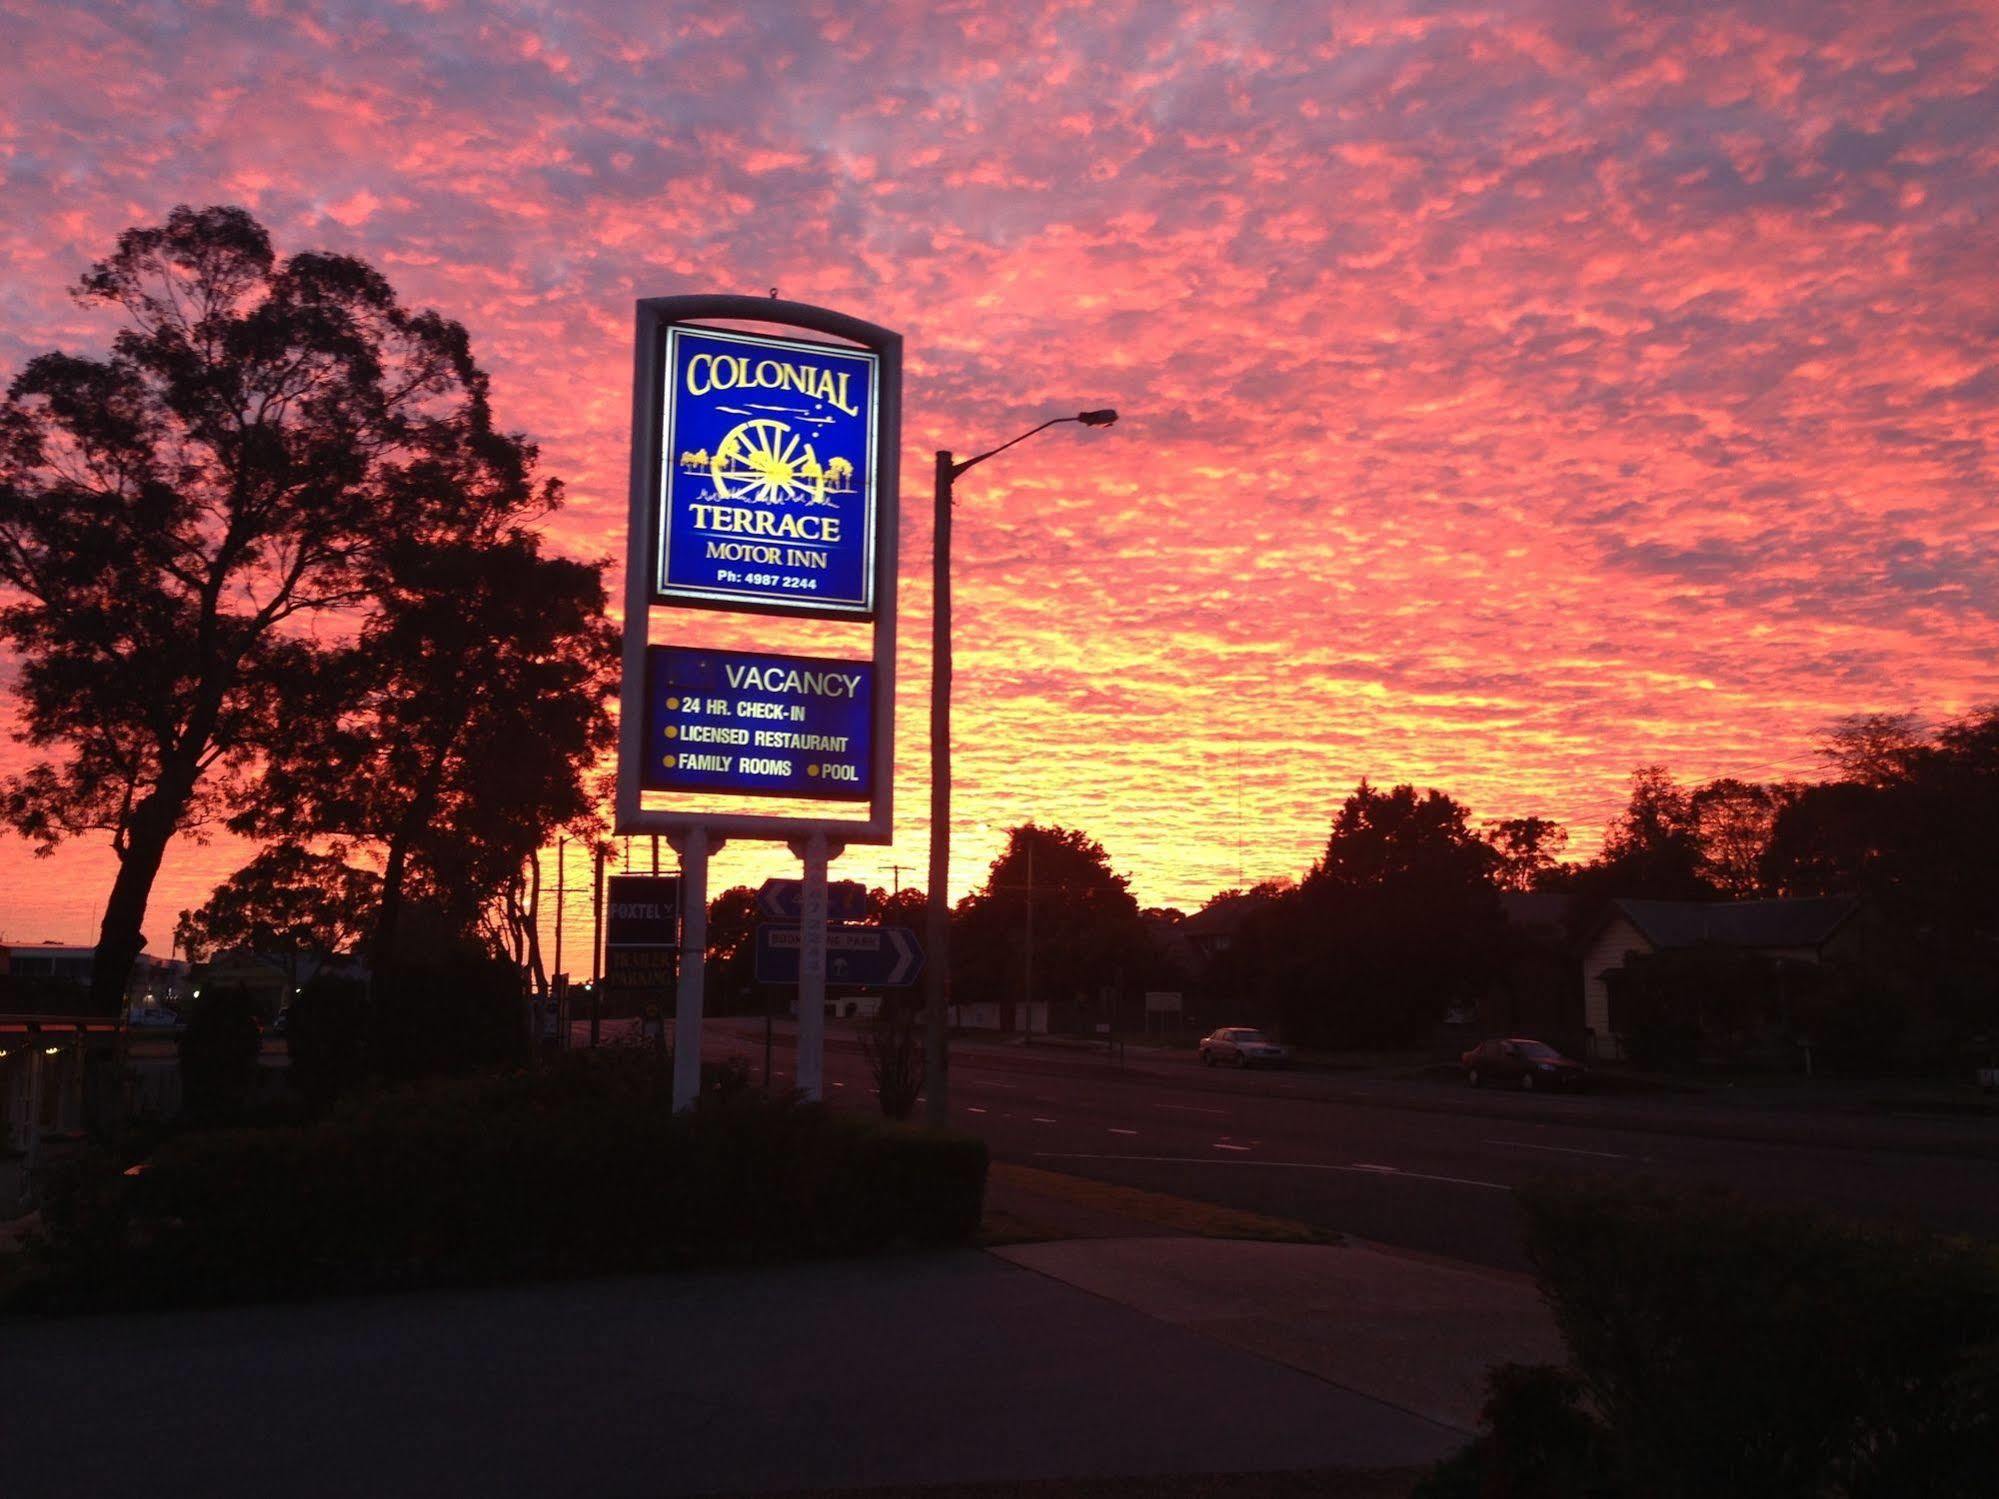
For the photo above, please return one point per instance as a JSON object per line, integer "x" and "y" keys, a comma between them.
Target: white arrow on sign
{"x": 784, "y": 900}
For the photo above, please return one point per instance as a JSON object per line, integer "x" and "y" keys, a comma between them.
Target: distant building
{"x": 272, "y": 979}
{"x": 1808, "y": 931}
{"x": 58, "y": 1052}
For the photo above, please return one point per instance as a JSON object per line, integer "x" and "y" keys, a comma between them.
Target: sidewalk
{"x": 955, "y": 1368}
{"x": 1413, "y": 1331}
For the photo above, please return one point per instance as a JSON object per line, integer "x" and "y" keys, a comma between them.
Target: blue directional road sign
{"x": 757, "y": 725}
{"x": 876, "y": 957}
{"x": 766, "y": 497}
{"x": 784, "y": 900}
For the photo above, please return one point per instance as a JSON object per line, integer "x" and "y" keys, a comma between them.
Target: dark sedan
{"x": 1524, "y": 1064}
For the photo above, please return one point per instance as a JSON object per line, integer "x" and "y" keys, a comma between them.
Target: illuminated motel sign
{"x": 767, "y": 474}
{"x": 763, "y": 483}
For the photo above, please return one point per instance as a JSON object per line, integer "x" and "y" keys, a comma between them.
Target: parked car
{"x": 150, "y": 1017}
{"x": 1525, "y": 1064}
{"x": 1240, "y": 1046}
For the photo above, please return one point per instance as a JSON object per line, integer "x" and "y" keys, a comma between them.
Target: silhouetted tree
{"x": 1913, "y": 829}
{"x": 173, "y": 515}
{"x": 1397, "y": 921}
{"x": 1652, "y": 851}
{"x": 462, "y": 728}
{"x": 1087, "y": 934}
{"x": 287, "y": 903}
{"x": 1733, "y": 821}
{"x": 732, "y": 951}
{"x": 1875, "y": 749}
{"x": 1526, "y": 850}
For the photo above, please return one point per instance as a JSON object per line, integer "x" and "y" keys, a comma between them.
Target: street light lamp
{"x": 938, "y": 917}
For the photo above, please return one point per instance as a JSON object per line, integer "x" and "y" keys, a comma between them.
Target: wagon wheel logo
{"x": 763, "y": 462}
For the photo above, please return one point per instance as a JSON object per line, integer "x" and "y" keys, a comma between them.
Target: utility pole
{"x": 596, "y": 945}
{"x": 558, "y": 903}
{"x": 937, "y": 919}
{"x": 1027, "y": 956}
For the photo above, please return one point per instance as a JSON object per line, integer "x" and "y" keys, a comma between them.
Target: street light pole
{"x": 937, "y": 933}
{"x": 937, "y": 914}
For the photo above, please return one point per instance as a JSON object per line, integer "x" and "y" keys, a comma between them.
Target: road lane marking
{"x": 1608, "y": 1155}
{"x": 1224, "y": 1145}
{"x": 970, "y": 1110}
{"x": 1188, "y": 1108}
{"x": 1208, "y": 1160}
{"x": 1039, "y": 1120}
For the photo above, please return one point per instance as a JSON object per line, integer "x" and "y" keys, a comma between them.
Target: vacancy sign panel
{"x": 758, "y": 725}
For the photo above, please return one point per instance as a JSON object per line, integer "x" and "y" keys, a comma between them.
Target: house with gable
{"x": 1812, "y": 930}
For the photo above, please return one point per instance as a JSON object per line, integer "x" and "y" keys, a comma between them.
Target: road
{"x": 1424, "y": 1167}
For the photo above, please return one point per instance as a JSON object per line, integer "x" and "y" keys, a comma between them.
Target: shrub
{"x": 457, "y": 1009}
{"x": 580, "y": 1168}
{"x": 1721, "y": 1349}
{"x": 218, "y": 1056}
{"x": 327, "y": 1039}
{"x": 893, "y": 1047}
{"x": 1540, "y": 1442}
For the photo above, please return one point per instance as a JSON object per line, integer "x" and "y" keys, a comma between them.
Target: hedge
{"x": 581, "y": 1168}
{"x": 1718, "y": 1348}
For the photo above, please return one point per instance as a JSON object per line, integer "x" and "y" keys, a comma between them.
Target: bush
{"x": 893, "y": 1047}
{"x": 582, "y": 1168}
{"x": 457, "y": 1009}
{"x": 1540, "y": 1442}
{"x": 218, "y": 1056}
{"x": 1722, "y": 1349}
{"x": 326, "y": 1039}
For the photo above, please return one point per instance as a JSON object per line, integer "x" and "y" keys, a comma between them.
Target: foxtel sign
{"x": 766, "y": 478}
{"x": 758, "y": 725}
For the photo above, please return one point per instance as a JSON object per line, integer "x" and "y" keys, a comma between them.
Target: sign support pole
{"x": 693, "y": 845}
{"x": 816, "y": 851}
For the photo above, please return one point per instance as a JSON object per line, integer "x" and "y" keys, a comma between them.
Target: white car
{"x": 1240, "y": 1046}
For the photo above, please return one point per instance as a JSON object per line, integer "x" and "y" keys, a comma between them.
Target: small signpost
{"x": 784, "y": 900}
{"x": 641, "y": 940}
{"x": 876, "y": 957}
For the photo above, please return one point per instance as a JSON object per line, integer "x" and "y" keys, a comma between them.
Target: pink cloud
{"x": 1511, "y": 397}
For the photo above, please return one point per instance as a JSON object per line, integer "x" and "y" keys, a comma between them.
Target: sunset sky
{"x": 1512, "y": 395}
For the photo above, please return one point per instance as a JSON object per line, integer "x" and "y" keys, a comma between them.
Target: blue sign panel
{"x": 767, "y": 474}
{"x": 758, "y": 725}
{"x": 876, "y": 957}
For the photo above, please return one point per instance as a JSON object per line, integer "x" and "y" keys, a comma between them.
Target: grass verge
{"x": 1311, "y": 1483}
{"x": 1037, "y": 1206}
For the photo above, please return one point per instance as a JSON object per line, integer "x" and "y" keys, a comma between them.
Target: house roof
{"x": 1538, "y": 908}
{"x": 1220, "y": 918}
{"x": 1745, "y": 923}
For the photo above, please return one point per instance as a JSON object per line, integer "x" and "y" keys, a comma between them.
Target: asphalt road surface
{"x": 1438, "y": 1177}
